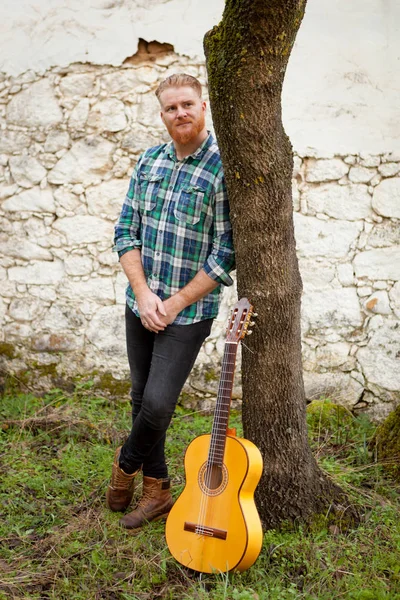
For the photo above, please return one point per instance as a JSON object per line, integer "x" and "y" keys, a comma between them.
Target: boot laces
{"x": 122, "y": 480}
{"x": 148, "y": 494}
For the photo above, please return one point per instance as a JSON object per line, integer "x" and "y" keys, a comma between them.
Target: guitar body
{"x": 214, "y": 525}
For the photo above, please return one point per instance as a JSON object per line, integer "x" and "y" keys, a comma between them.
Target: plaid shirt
{"x": 177, "y": 213}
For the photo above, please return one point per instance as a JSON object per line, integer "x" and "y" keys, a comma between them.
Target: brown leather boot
{"x": 120, "y": 491}
{"x": 156, "y": 502}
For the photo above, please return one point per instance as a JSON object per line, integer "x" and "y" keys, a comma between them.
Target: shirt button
{"x": 157, "y": 254}
{"x": 164, "y": 209}
{"x": 170, "y": 188}
{"x": 176, "y": 166}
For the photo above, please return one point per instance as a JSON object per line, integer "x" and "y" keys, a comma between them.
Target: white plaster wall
{"x": 343, "y": 82}
{"x": 73, "y": 121}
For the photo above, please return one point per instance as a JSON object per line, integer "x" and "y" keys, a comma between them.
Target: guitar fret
{"x": 224, "y": 398}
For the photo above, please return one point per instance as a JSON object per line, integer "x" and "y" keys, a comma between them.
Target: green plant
{"x": 58, "y": 541}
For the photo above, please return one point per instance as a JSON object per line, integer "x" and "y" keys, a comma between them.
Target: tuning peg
{"x": 255, "y": 315}
{"x": 249, "y": 332}
{"x": 252, "y": 323}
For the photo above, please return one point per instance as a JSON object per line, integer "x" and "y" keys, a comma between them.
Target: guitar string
{"x": 217, "y": 425}
{"x": 204, "y": 497}
{"x": 207, "y": 480}
{"x": 215, "y": 445}
{"x": 222, "y": 420}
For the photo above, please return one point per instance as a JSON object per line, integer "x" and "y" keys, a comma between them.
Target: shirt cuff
{"x": 216, "y": 272}
{"x": 122, "y": 247}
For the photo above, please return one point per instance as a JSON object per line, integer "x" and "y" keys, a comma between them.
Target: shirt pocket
{"x": 189, "y": 205}
{"x": 149, "y": 188}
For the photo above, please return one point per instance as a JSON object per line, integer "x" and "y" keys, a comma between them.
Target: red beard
{"x": 186, "y": 135}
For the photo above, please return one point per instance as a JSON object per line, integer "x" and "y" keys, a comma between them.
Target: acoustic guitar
{"x": 214, "y": 524}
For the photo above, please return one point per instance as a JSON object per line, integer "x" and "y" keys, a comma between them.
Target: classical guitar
{"x": 214, "y": 525}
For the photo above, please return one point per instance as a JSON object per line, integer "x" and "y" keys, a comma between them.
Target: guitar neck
{"x": 221, "y": 417}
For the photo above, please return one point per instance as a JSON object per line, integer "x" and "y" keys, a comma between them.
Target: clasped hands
{"x": 156, "y": 314}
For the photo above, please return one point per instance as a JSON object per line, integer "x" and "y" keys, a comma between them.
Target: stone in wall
{"x": 85, "y": 163}
{"x": 349, "y": 202}
{"x": 121, "y": 283}
{"x": 77, "y": 84}
{"x": 108, "y": 115}
{"x": 78, "y": 265}
{"x": 33, "y": 200}
{"x": 79, "y": 115}
{"x": 63, "y": 317}
{"x": 345, "y": 274}
{"x": 56, "y": 140}
{"x": 121, "y": 82}
{"x": 333, "y": 355}
{"x": 7, "y": 190}
{"x": 394, "y": 296}
{"x": 360, "y": 174}
{"x": 325, "y": 170}
{"x": 389, "y": 169}
{"x": 107, "y": 332}
{"x": 148, "y": 108}
{"x": 53, "y": 342}
{"x": 25, "y": 309}
{"x": 341, "y": 387}
{"x": 36, "y": 106}
{"x": 107, "y": 198}
{"x": 316, "y": 275}
{"x": 17, "y": 247}
{"x": 386, "y": 199}
{"x": 26, "y": 170}
{"x": 3, "y": 309}
{"x": 46, "y": 272}
{"x": 383, "y": 263}
{"x": 67, "y": 203}
{"x": 386, "y": 234}
{"x": 337, "y": 307}
{"x": 84, "y": 229}
{"x": 99, "y": 290}
{"x": 135, "y": 142}
{"x": 44, "y": 292}
{"x": 13, "y": 141}
{"x": 378, "y": 303}
{"x": 331, "y": 239}
{"x": 380, "y": 360}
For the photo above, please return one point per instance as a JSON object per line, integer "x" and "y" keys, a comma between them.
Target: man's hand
{"x": 151, "y": 310}
{"x": 171, "y": 308}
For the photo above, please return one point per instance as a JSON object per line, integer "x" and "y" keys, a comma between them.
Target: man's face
{"x": 183, "y": 113}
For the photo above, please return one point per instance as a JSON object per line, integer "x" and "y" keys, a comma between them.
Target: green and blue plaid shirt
{"x": 177, "y": 213}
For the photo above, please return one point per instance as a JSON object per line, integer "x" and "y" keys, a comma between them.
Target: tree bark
{"x": 247, "y": 56}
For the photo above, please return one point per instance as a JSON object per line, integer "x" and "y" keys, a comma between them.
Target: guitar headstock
{"x": 240, "y": 321}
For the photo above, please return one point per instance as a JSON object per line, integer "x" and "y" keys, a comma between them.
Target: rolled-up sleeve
{"x": 222, "y": 258}
{"x": 127, "y": 233}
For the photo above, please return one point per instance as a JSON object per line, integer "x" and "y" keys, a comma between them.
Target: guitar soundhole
{"x": 213, "y": 479}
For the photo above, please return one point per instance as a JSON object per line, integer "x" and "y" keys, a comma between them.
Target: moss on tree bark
{"x": 387, "y": 444}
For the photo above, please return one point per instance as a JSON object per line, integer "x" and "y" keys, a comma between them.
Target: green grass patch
{"x": 58, "y": 541}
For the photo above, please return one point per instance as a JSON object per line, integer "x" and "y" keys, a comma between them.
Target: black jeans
{"x": 160, "y": 364}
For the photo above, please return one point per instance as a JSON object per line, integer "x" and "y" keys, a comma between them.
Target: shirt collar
{"x": 170, "y": 148}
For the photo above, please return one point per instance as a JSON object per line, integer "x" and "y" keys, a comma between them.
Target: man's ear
{"x": 162, "y": 117}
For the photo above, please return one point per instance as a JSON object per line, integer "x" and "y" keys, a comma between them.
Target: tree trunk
{"x": 247, "y": 55}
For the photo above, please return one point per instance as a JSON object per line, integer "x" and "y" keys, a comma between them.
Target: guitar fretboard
{"x": 221, "y": 417}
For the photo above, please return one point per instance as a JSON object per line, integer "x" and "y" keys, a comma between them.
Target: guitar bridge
{"x": 220, "y": 534}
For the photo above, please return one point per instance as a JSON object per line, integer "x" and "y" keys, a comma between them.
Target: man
{"x": 174, "y": 243}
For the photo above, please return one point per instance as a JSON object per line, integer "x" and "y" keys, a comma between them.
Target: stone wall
{"x": 69, "y": 141}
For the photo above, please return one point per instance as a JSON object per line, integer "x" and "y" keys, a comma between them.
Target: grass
{"x": 57, "y": 540}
